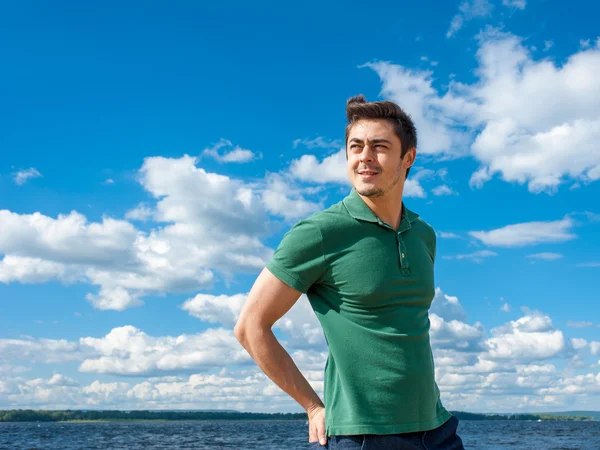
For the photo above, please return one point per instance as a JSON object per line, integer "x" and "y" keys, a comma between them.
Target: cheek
{"x": 389, "y": 161}
{"x": 352, "y": 162}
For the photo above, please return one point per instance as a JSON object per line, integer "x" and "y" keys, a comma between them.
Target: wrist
{"x": 312, "y": 408}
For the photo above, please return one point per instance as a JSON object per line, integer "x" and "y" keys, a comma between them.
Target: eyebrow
{"x": 373, "y": 141}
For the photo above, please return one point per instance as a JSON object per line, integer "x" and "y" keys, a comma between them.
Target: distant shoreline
{"x": 86, "y": 416}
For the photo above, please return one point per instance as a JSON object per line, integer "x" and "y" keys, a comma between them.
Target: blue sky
{"x": 151, "y": 158}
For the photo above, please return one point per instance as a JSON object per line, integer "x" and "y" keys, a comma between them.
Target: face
{"x": 375, "y": 167}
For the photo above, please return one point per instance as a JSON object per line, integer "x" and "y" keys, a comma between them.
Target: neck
{"x": 388, "y": 207}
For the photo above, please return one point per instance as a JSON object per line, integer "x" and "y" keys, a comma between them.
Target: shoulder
{"x": 333, "y": 212}
{"x": 423, "y": 226}
{"x": 317, "y": 224}
{"x": 422, "y": 229}
{"x": 426, "y": 233}
{"x": 331, "y": 220}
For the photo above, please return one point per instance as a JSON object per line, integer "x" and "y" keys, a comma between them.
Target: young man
{"x": 367, "y": 267}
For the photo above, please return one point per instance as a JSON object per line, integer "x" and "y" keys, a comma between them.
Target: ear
{"x": 409, "y": 158}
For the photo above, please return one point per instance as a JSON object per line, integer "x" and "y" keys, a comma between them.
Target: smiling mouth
{"x": 367, "y": 173}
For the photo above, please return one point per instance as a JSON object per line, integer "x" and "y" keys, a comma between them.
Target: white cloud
{"x": 528, "y": 233}
{"x": 239, "y": 390}
{"x": 583, "y": 324}
{"x": 476, "y": 8}
{"x": 455, "y": 25}
{"x": 438, "y": 119}
{"x": 232, "y": 154}
{"x": 40, "y": 350}
{"x": 589, "y": 264}
{"x": 443, "y": 190}
{"x": 592, "y": 217}
{"x": 546, "y": 256}
{"x": 477, "y": 257}
{"x": 516, "y": 119}
{"x": 469, "y": 9}
{"x": 522, "y": 141}
{"x": 535, "y": 368}
{"x": 538, "y": 159}
{"x": 61, "y": 380}
{"x": 11, "y": 369}
{"x": 446, "y": 235}
{"x": 580, "y": 386}
{"x": 548, "y": 45}
{"x": 31, "y": 270}
{"x": 449, "y": 330}
{"x": 331, "y": 170}
{"x": 302, "y": 327}
{"x": 412, "y": 188}
{"x": 282, "y": 199}
{"x": 319, "y": 142}
{"x": 517, "y": 4}
{"x": 181, "y": 189}
{"x": 111, "y": 295}
{"x": 279, "y": 203}
{"x": 447, "y": 307}
{"x": 124, "y": 262}
{"x": 22, "y": 176}
{"x": 578, "y": 343}
{"x": 505, "y": 307}
{"x": 412, "y": 185}
{"x": 129, "y": 351}
{"x": 199, "y": 236}
{"x": 530, "y": 338}
{"x": 455, "y": 334}
{"x": 472, "y": 370}
{"x": 141, "y": 212}
{"x": 480, "y": 177}
{"x": 222, "y": 309}
{"x": 68, "y": 238}
{"x": 58, "y": 390}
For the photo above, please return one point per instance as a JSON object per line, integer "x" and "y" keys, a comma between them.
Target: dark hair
{"x": 357, "y": 108}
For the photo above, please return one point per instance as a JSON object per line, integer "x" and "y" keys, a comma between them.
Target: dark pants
{"x": 442, "y": 438}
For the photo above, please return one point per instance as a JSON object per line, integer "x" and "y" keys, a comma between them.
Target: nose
{"x": 367, "y": 154}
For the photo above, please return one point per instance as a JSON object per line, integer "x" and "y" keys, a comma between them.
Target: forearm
{"x": 278, "y": 365}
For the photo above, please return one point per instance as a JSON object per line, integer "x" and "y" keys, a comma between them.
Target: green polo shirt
{"x": 371, "y": 288}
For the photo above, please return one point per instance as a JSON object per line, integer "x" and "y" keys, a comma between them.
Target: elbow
{"x": 239, "y": 331}
{"x": 248, "y": 331}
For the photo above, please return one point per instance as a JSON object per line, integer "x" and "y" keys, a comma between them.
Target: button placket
{"x": 404, "y": 225}
{"x": 402, "y": 252}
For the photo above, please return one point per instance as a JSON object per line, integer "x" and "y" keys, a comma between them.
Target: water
{"x": 273, "y": 435}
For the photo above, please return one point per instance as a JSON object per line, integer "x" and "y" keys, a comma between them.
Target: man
{"x": 367, "y": 267}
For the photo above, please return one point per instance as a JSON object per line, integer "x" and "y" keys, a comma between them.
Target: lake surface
{"x": 273, "y": 435}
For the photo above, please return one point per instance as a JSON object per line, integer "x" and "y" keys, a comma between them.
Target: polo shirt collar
{"x": 358, "y": 209}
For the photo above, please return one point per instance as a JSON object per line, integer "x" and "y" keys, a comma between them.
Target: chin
{"x": 369, "y": 191}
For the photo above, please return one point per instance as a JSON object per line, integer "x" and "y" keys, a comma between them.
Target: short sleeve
{"x": 299, "y": 261}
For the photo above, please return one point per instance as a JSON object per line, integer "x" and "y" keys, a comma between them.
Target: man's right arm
{"x": 268, "y": 300}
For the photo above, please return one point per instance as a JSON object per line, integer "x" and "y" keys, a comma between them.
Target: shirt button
{"x": 403, "y": 255}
